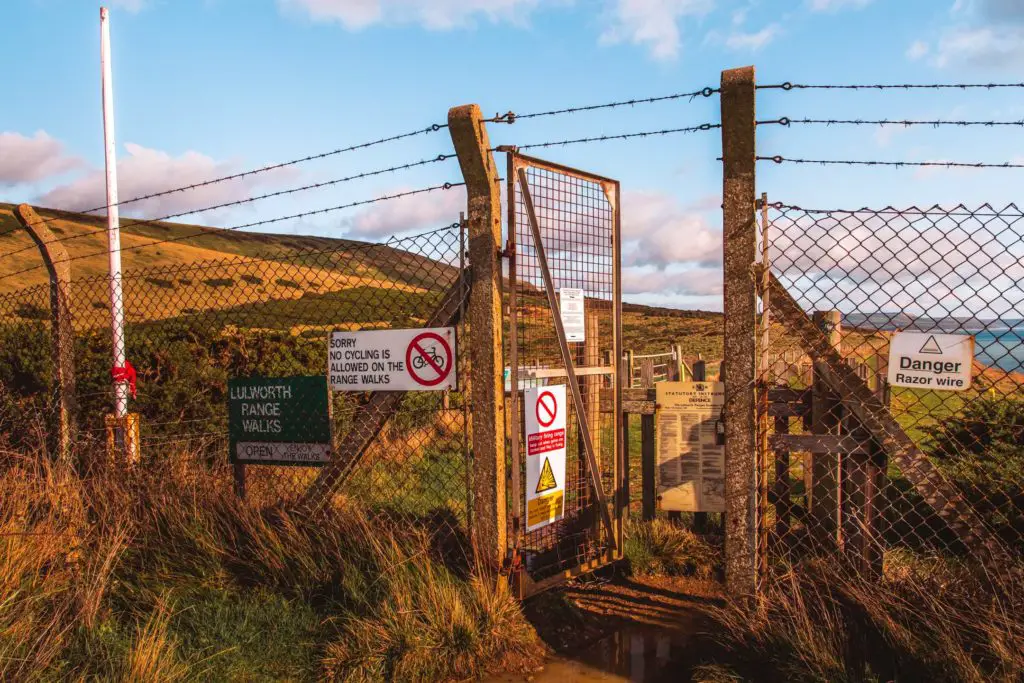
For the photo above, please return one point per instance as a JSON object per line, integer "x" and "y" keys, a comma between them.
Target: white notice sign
{"x": 544, "y": 413}
{"x": 571, "y": 306}
{"x": 690, "y": 446}
{"x": 392, "y": 360}
{"x": 923, "y": 360}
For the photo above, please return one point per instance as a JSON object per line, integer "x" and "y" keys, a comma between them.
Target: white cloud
{"x": 693, "y": 282}
{"x": 992, "y": 47}
{"x": 27, "y": 160}
{"x": 146, "y": 171}
{"x": 836, "y": 5}
{"x": 432, "y": 14}
{"x": 415, "y": 213}
{"x": 652, "y": 23}
{"x": 986, "y": 34}
{"x": 917, "y": 50}
{"x": 661, "y": 232}
{"x": 753, "y": 41}
{"x": 31, "y": 159}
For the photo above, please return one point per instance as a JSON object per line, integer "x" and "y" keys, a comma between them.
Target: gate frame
{"x": 523, "y": 586}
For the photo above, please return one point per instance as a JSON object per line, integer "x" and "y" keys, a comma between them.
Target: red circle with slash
{"x": 547, "y": 409}
{"x": 443, "y": 367}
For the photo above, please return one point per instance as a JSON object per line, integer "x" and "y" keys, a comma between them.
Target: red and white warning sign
{"x": 545, "y": 455}
{"x": 392, "y": 360}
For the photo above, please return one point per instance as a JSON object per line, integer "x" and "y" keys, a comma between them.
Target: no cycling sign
{"x": 392, "y": 360}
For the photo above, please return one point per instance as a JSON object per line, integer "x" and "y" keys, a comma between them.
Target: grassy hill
{"x": 206, "y": 268}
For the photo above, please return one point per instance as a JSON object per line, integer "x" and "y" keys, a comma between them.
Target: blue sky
{"x": 208, "y": 87}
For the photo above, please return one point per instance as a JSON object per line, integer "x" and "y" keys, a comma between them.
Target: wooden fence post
{"x": 472, "y": 145}
{"x": 826, "y": 468}
{"x": 740, "y": 308}
{"x": 62, "y": 333}
{"x": 648, "y": 463}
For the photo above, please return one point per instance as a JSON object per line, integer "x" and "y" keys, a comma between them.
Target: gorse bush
{"x": 162, "y": 573}
{"x": 982, "y": 449}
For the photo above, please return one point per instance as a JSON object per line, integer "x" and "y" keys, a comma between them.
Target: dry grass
{"x": 924, "y": 620}
{"x": 661, "y": 547}
{"x": 162, "y": 574}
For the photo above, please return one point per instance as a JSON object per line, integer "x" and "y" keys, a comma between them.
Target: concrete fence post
{"x": 740, "y": 308}
{"x": 62, "y": 334}
{"x": 487, "y": 388}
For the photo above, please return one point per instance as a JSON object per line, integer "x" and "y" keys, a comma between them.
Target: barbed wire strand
{"x": 512, "y": 117}
{"x": 624, "y": 136}
{"x": 155, "y": 222}
{"x": 787, "y": 121}
{"x": 268, "y": 221}
{"x": 778, "y": 159}
{"x": 266, "y": 169}
{"x": 890, "y": 86}
{"x": 960, "y": 210}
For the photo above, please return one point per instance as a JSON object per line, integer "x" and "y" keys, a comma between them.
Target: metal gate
{"x": 564, "y": 232}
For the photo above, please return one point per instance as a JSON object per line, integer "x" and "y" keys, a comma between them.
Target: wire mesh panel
{"x": 861, "y": 458}
{"x": 578, "y": 223}
{"x": 265, "y": 313}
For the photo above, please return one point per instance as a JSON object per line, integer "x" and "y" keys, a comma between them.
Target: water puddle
{"x": 642, "y": 654}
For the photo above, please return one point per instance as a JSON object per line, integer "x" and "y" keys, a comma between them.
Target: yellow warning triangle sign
{"x": 547, "y": 478}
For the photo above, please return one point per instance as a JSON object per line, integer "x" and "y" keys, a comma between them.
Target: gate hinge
{"x": 509, "y": 250}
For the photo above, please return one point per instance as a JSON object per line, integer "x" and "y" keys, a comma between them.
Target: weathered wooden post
{"x": 826, "y": 502}
{"x": 472, "y": 145}
{"x": 740, "y": 308}
{"x": 62, "y": 333}
{"x": 648, "y": 465}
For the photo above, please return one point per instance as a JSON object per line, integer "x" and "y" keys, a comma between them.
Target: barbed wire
{"x": 512, "y": 117}
{"x": 960, "y": 210}
{"x": 787, "y": 121}
{"x": 350, "y": 247}
{"x": 890, "y": 86}
{"x": 623, "y": 136}
{"x": 265, "y": 169}
{"x": 238, "y": 202}
{"x": 268, "y": 221}
{"x": 778, "y": 159}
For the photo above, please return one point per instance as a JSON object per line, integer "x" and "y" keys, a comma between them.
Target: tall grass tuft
{"x": 660, "y": 547}
{"x": 161, "y": 572}
{"x": 923, "y": 620}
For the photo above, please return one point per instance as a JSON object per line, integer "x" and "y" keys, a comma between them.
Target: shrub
{"x": 219, "y": 282}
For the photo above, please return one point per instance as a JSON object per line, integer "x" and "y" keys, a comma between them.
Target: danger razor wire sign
{"x": 545, "y": 455}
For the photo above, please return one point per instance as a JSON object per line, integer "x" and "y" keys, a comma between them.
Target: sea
{"x": 997, "y": 343}
{"x": 1001, "y": 348}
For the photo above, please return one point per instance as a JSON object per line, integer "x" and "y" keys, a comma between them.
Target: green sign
{"x": 279, "y": 420}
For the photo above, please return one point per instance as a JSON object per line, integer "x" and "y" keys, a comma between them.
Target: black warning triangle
{"x": 931, "y": 346}
{"x": 547, "y": 478}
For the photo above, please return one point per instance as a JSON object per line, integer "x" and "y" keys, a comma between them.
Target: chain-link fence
{"x": 872, "y": 446}
{"x": 189, "y": 329}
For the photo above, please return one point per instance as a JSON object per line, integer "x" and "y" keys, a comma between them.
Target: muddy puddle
{"x": 633, "y": 653}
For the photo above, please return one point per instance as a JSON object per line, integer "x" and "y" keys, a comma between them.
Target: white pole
{"x": 113, "y": 220}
